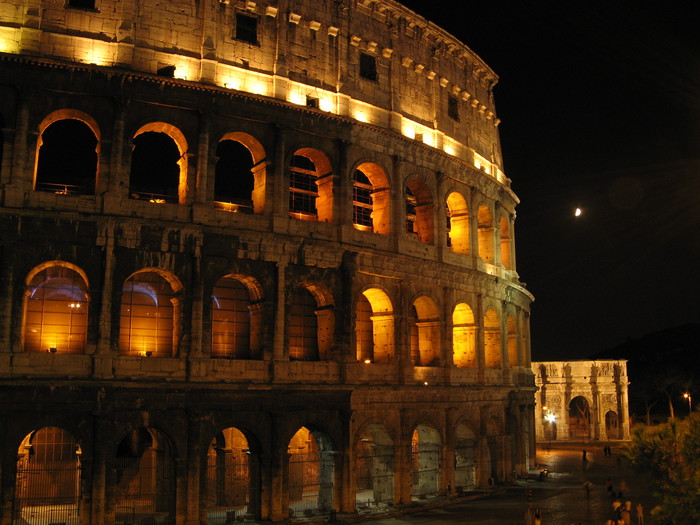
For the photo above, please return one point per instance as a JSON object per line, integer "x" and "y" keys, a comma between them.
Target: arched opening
{"x": 371, "y": 199}
{"x": 145, "y": 478}
{"x": 67, "y": 159}
{"x": 374, "y": 327}
{"x": 419, "y": 211}
{"x": 579, "y": 418}
{"x": 425, "y": 460}
{"x": 149, "y": 309}
{"x": 48, "y": 482}
{"x": 612, "y": 425}
{"x": 303, "y": 326}
{"x": 457, "y": 218}
{"x": 512, "y": 342}
{"x": 56, "y": 309}
{"x": 158, "y": 164}
{"x": 236, "y": 318}
{"x": 485, "y": 232}
{"x": 492, "y": 339}
{"x": 233, "y": 179}
{"x": 463, "y": 337}
{"x": 505, "y": 243}
{"x": 424, "y": 332}
{"x": 374, "y": 467}
{"x": 550, "y": 430}
{"x": 310, "y": 473}
{"x": 310, "y": 186}
{"x": 233, "y": 478}
{"x": 465, "y": 459}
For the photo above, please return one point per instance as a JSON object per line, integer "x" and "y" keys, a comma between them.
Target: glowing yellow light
{"x": 9, "y": 41}
{"x": 361, "y": 116}
{"x": 295, "y": 97}
{"x": 477, "y": 164}
{"x": 325, "y": 104}
{"x": 425, "y": 383}
{"x": 578, "y": 212}
{"x": 449, "y": 149}
{"x": 368, "y": 361}
{"x": 256, "y": 87}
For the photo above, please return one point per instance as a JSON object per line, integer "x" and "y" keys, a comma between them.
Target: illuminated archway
{"x": 424, "y": 324}
{"x": 579, "y": 418}
{"x": 371, "y": 199}
{"x": 419, "y": 211}
{"x": 505, "y": 243}
{"x": 310, "y": 473}
{"x": 374, "y": 327}
{"x": 485, "y": 231}
{"x": 465, "y": 458}
{"x": 233, "y": 478}
{"x": 457, "y": 219}
{"x": 236, "y": 318}
{"x": 425, "y": 461}
{"x": 310, "y": 322}
{"x": 56, "y": 309}
{"x": 310, "y": 186}
{"x": 513, "y": 340}
{"x": 240, "y": 174}
{"x": 48, "y": 481}
{"x": 612, "y": 425}
{"x": 463, "y": 337}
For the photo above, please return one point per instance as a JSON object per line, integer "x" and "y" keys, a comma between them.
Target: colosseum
{"x": 257, "y": 263}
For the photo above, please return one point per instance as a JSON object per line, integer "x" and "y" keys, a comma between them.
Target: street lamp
{"x": 690, "y": 402}
{"x": 549, "y": 418}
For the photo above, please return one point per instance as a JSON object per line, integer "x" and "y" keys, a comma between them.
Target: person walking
{"x": 640, "y": 514}
{"x": 537, "y": 516}
{"x": 587, "y": 487}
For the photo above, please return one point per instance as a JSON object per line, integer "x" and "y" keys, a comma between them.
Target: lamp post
{"x": 549, "y": 418}
{"x": 690, "y": 402}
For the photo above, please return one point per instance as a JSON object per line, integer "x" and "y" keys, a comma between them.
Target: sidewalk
{"x": 561, "y": 497}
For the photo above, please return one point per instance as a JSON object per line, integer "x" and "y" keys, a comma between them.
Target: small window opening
{"x": 166, "y": 71}
{"x": 246, "y": 28}
{"x": 82, "y": 4}
{"x": 368, "y": 66}
{"x": 453, "y": 107}
{"x": 303, "y": 189}
{"x": 362, "y": 201}
{"x": 312, "y": 102}
{"x": 411, "y": 213}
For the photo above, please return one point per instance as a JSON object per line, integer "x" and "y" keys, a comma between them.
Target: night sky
{"x": 600, "y": 109}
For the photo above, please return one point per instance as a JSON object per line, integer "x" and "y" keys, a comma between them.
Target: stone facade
{"x": 581, "y": 400}
{"x": 257, "y": 259}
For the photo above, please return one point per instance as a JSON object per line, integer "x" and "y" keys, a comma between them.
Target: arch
{"x": 374, "y": 466}
{"x": 310, "y": 186}
{"x": 466, "y": 454}
{"x": 492, "y": 339}
{"x": 237, "y": 164}
{"x": 371, "y": 199}
{"x": 463, "y": 337}
{"x": 56, "y": 305}
{"x": 505, "y": 243}
{"x": 311, "y": 472}
{"x": 424, "y": 324}
{"x": 48, "y": 480}
{"x": 232, "y": 478}
{"x": 67, "y": 155}
{"x": 513, "y": 340}
{"x": 150, "y": 312}
{"x": 457, "y": 218}
{"x": 485, "y": 232}
{"x": 374, "y": 327}
{"x": 311, "y": 322}
{"x": 158, "y": 164}
{"x": 144, "y": 484}
{"x": 579, "y": 418}
{"x": 236, "y": 318}
{"x": 425, "y": 461}
{"x": 612, "y": 425}
{"x": 419, "y": 211}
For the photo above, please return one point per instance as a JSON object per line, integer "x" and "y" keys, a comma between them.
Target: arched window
{"x": 466, "y": 453}
{"x": 505, "y": 243}
{"x": 374, "y": 327}
{"x": 303, "y": 328}
{"x": 419, "y": 211}
{"x": 67, "y": 158}
{"x": 148, "y": 312}
{"x": 158, "y": 164}
{"x": 512, "y": 342}
{"x": 374, "y": 467}
{"x": 463, "y": 337}
{"x": 371, "y": 200}
{"x": 56, "y": 310}
{"x": 236, "y": 318}
{"x": 310, "y": 186}
{"x": 425, "y": 332}
{"x": 457, "y": 217}
{"x": 485, "y": 224}
{"x": 234, "y": 181}
{"x": 492, "y": 339}
{"x": 425, "y": 461}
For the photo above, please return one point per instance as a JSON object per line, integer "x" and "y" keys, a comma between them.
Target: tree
{"x": 670, "y": 454}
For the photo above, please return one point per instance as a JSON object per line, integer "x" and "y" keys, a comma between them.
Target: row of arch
{"x": 580, "y": 425}
{"x": 68, "y": 161}
{"x": 142, "y": 484}
{"x": 57, "y": 306}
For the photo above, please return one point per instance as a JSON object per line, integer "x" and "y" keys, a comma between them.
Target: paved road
{"x": 561, "y": 497}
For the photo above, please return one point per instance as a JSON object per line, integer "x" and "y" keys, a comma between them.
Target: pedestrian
{"x": 640, "y": 514}
{"x": 609, "y": 487}
{"x": 584, "y": 455}
{"x": 625, "y": 513}
{"x": 587, "y": 487}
